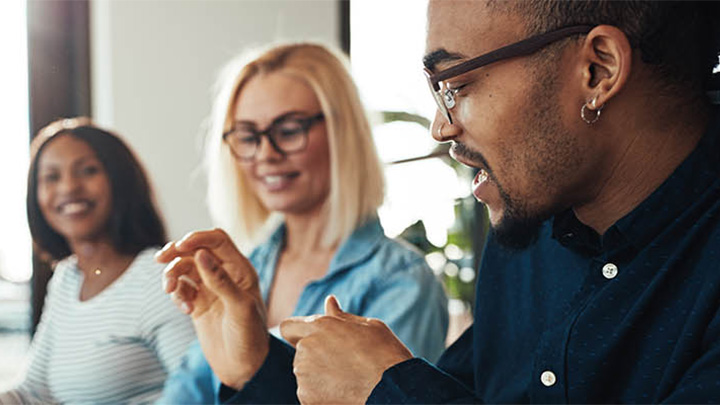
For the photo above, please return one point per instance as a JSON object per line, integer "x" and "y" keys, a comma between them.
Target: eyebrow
{"x": 275, "y": 120}
{"x": 79, "y": 161}
{"x": 432, "y": 59}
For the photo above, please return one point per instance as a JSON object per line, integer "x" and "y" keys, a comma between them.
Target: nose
{"x": 442, "y": 131}
{"x": 68, "y": 184}
{"x": 266, "y": 151}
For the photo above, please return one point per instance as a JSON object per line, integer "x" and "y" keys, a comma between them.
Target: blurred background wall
{"x": 143, "y": 68}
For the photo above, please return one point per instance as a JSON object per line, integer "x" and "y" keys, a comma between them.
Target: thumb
{"x": 332, "y": 306}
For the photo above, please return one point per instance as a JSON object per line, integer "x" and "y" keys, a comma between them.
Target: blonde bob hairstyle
{"x": 356, "y": 176}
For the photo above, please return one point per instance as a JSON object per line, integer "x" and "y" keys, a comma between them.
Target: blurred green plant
{"x": 457, "y": 261}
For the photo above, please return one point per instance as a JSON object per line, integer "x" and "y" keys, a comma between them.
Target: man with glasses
{"x": 598, "y": 157}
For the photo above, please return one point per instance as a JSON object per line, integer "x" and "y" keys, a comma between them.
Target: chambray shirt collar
{"x": 359, "y": 246}
{"x": 693, "y": 178}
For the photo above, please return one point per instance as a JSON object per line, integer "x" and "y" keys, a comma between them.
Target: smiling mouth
{"x": 278, "y": 181}
{"x": 78, "y": 207}
{"x": 481, "y": 177}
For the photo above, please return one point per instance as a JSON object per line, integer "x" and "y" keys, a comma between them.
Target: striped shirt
{"x": 116, "y": 347}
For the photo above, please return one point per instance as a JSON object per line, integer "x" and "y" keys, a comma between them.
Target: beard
{"x": 519, "y": 227}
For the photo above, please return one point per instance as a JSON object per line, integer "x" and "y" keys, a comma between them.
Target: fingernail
{"x": 185, "y": 308}
{"x": 164, "y": 248}
{"x": 185, "y": 237}
{"x": 189, "y": 282}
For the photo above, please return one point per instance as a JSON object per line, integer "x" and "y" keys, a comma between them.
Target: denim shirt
{"x": 370, "y": 274}
{"x": 630, "y": 316}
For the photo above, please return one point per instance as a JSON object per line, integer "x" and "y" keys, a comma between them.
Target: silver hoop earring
{"x": 584, "y": 109}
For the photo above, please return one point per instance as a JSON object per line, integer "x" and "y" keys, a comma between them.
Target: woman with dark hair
{"x": 107, "y": 333}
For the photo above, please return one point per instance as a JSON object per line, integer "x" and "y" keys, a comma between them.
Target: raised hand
{"x": 214, "y": 283}
{"x": 340, "y": 357}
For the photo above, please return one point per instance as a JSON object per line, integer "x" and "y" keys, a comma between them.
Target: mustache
{"x": 462, "y": 150}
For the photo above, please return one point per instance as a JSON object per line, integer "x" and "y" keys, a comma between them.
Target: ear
{"x": 606, "y": 57}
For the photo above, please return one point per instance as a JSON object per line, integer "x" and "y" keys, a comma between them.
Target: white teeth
{"x": 277, "y": 180}
{"x": 273, "y": 180}
{"x": 483, "y": 176}
{"x": 74, "y": 207}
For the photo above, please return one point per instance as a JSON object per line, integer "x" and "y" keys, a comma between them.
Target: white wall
{"x": 153, "y": 64}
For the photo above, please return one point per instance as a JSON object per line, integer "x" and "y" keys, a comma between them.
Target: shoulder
{"x": 370, "y": 249}
{"x": 399, "y": 251}
{"x": 396, "y": 258}
{"x": 144, "y": 275}
{"x": 65, "y": 273}
{"x": 144, "y": 265}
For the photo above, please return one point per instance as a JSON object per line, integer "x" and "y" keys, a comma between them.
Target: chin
{"x": 514, "y": 226}
{"x": 495, "y": 216}
{"x": 87, "y": 231}
{"x": 83, "y": 236}
{"x": 278, "y": 204}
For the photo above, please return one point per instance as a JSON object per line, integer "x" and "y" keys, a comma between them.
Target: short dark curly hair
{"x": 678, "y": 39}
{"x": 134, "y": 223}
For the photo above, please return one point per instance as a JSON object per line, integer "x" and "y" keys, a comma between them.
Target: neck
{"x": 99, "y": 254}
{"x": 644, "y": 158}
{"x": 304, "y": 232}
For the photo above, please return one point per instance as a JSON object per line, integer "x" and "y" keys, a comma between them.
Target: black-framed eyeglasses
{"x": 287, "y": 134}
{"x": 445, "y": 97}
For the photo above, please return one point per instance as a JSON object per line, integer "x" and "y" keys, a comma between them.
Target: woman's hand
{"x": 214, "y": 283}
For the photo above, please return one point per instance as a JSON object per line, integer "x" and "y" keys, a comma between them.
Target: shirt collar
{"x": 685, "y": 186}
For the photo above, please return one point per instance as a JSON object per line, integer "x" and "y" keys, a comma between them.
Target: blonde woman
{"x": 294, "y": 177}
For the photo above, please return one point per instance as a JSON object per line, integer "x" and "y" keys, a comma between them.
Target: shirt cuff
{"x": 274, "y": 383}
{"x": 416, "y": 381}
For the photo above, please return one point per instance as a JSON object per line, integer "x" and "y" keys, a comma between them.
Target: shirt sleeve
{"x": 413, "y": 304}
{"x": 701, "y": 382}
{"x": 34, "y": 387}
{"x": 416, "y": 381}
{"x": 274, "y": 383}
{"x": 163, "y": 327}
{"x": 192, "y": 382}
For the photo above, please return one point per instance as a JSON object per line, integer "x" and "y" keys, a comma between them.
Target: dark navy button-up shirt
{"x": 629, "y": 316}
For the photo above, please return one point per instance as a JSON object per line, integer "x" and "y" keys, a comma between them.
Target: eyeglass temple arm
{"x": 522, "y": 48}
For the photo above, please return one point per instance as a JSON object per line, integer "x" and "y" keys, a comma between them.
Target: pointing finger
{"x": 215, "y": 240}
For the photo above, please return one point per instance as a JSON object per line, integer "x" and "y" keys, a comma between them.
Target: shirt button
{"x": 548, "y": 378}
{"x": 609, "y": 271}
